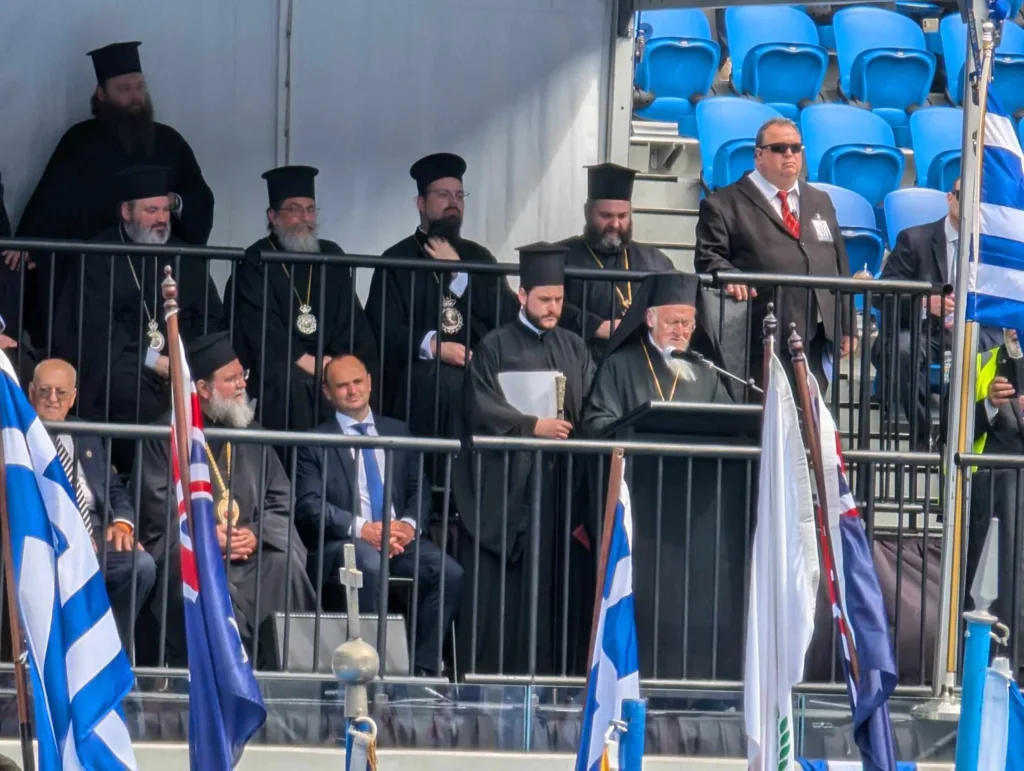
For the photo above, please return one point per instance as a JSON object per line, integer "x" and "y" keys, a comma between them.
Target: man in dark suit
{"x": 351, "y": 484}
{"x": 52, "y": 393}
{"x": 924, "y": 253}
{"x": 767, "y": 222}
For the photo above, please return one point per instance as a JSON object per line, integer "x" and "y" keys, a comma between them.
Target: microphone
{"x": 700, "y": 360}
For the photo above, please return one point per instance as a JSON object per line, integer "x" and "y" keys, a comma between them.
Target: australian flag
{"x": 861, "y": 596}
{"x": 225, "y": 705}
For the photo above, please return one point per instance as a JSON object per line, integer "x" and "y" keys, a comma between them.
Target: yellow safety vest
{"x": 987, "y": 367}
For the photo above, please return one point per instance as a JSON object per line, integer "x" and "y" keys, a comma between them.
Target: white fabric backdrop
{"x": 512, "y": 85}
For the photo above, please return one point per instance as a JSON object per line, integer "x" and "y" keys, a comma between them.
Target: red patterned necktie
{"x": 788, "y": 219}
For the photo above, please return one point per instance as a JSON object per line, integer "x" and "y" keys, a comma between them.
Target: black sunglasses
{"x": 780, "y": 147}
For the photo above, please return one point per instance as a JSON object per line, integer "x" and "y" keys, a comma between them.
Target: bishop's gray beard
{"x": 304, "y": 240}
{"x": 236, "y": 413}
{"x": 147, "y": 236}
{"x": 681, "y": 367}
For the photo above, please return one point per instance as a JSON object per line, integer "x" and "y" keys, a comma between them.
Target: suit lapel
{"x": 344, "y": 456}
{"x": 806, "y": 202}
{"x": 939, "y": 250}
{"x": 751, "y": 191}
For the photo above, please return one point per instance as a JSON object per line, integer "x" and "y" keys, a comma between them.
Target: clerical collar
{"x": 529, "y": 324}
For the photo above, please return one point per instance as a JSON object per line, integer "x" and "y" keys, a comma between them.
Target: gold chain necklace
{"x": 223, "y": 502}
{"x": 156, "y": 337}
{"x": 625, "y": 299}
{"x": 305, "y": 322}
{"x": 657, "y": 383}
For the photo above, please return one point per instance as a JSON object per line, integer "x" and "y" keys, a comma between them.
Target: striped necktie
{"x": 76, "y": 481}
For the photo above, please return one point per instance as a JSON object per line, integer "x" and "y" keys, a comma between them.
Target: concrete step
{"x": 664, "y": 224}
{"x": 664, "y": 191}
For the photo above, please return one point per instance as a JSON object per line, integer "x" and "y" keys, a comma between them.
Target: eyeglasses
{"x": 48, "y": 392}
{"x": 780, "y": 148}
{"x": 298, "y": 211}
{"x": 240, "y": 379}
{"x": 688, "y": 326}
{"x": 449, "y": 195}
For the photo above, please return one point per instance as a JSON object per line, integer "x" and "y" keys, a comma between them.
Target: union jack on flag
{"x": 225, "y": 705}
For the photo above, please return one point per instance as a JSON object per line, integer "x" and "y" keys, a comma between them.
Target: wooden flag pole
{"x": 796, "y": 349}
{"x": 169, "y": 289}
{"x": 28, "y": 759}
{"x": 614, "y": 485}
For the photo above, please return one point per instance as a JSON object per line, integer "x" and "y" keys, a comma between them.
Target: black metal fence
{"x": 693, "y": 501}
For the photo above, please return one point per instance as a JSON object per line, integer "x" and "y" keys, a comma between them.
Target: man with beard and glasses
{"x": 282, "y": 358}
{"x": 125, "y": 330}
{"x": 499, "y": 522}
{"x": 638, "y": 367}
{"x": 593, "y": 309}
{"x": 251, "y": 493}
{"x": 76, "y": 195}
{"x": 436, "y": 318}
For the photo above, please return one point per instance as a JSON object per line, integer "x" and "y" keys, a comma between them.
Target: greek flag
{"x": 1002, "y": 724}
{"x": 996, "y": 279}
{"x": 614, "y": 671}
{"x": 80, "y": 672}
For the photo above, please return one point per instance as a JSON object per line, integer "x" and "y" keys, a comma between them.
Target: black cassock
{"x": 283, "y": 583}
{"x": 714, "y": 530}
{"x": 76, "y": 196}
{"x": 288, "y": 397}
{"x": 406, "y": 305}
{"x": 12, "y": 308}
{"x": 604, "y": 300}
{"x": 517, "y": 348}
{"x": 121, "y": 328}
{"x": 625, "y": 381}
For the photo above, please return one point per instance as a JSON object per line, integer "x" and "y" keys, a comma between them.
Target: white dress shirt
{"x": 457, "y": 287}
{"x": 952, "y": 242}
{"x": 366, "y": 512}
{"x": 771, "y": 193}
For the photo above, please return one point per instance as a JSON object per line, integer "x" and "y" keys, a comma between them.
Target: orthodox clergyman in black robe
{"x": 702, "y": 533}
{"x": 250, "y": 491}
{"x": 128, "y": 325}
{"x": 639, "y": 366}
{"x": 503, "y": 522}
{"x": 76, "y": 196}
{"x": 593, "y": 309}
{"x": 282, "y": 359}
{"x": 428, "y": 322}
{"x": 14, "y": 341}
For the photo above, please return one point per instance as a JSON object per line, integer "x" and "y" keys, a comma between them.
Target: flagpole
{"x": 612, "y": 501}
{"x": 169, "y": 289}
{"x": 961, "y": 430}
{"x": 813, "y": 442}
{"x": 28, "y": 759}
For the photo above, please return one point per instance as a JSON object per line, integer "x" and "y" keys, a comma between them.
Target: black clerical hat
{"x": 658, "y": 289}
{"x": 209, "y": 353}
{"x": 143, "y": 182}
{"x": 435, "y": 167}
{"x": 290, "y": 182}
{"x": 116, "y": 59}
{"x": 609, "y": 181}
{"x": 541, "y": 264}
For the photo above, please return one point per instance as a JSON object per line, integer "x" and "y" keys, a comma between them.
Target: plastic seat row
{"x": 844, "y": 145}
{"x": 777, "y": 57}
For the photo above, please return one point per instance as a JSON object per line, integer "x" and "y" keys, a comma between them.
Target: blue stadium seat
{"x": 679, "y": 63}
{"x": 1007, "y": 66}
{"x": 864, "y": 242}
{"x": 726, "y": 129}
{"x": 852, "y": 148}
{"x": 936, "y": 134}
{"x": 884, "y": 62}
{"x": 912, "y": 206}
{"x": 776, "y": 56}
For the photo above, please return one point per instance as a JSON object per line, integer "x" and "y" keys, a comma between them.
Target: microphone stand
{"x": 697, "y": 358}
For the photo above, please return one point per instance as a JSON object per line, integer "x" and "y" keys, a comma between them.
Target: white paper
{"x": 532, "y": 393}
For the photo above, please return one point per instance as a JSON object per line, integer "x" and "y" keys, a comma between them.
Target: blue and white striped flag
{"x": 614, "y": 668}
{"x": 995, "y": 295}
{"x": 1002, "y": 724}
{"x": 80, "y": 672}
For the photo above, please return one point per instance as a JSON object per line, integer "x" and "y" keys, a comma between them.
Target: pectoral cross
{"x": 352, "y": 580}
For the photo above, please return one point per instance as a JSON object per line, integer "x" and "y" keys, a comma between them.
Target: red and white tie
{"x": 788, "y": 219}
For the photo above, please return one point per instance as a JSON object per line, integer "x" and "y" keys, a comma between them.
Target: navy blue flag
{"x": 225, "y": 705}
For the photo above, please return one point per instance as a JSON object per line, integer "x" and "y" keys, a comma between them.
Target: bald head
{"x": 52, "y": 390}
{"x": 347, "y": 386}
